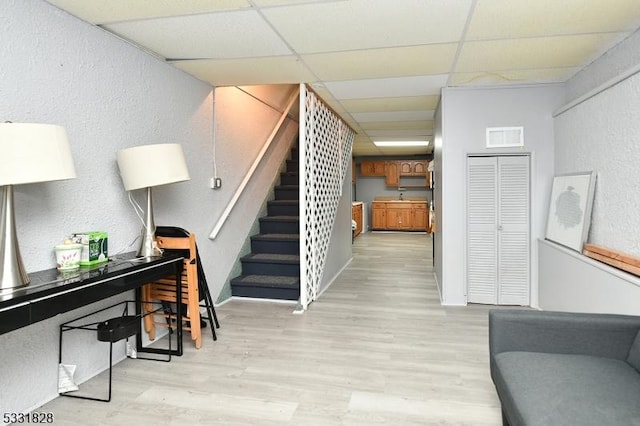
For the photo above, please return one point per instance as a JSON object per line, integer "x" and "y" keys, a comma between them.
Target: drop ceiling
{"x": 380, "y": 64}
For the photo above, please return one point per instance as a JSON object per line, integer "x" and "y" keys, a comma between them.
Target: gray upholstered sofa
{"x": 554, "y": 368}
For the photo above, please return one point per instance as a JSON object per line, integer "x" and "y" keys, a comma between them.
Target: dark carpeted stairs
{"x": 272, "y": 269}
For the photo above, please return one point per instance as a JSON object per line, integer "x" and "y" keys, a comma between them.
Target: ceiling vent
{"x": 505, "y": 137}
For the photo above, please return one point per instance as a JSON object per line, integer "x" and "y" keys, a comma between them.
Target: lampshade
{"x": 29, "y": 153}
{"x": 152, "y": 165}
{"x": 145, "y": 167}
{"x": 34, "y": 153}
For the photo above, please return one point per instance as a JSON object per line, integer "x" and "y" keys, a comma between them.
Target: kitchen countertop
{"x": 382, "y": 199}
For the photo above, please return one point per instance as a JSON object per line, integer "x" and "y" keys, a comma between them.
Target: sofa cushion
{"x": 560, "y": 389}
{"x": 634, "y": 353}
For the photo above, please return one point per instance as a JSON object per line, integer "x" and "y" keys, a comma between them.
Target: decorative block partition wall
{"x": 325, "y": 153}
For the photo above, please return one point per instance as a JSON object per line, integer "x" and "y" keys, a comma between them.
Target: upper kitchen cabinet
{"x": 406, "y": 173}
{"x": 413, "y": 168}
{"x": 392, "y": 173}
{"x": 408, "y": 169}
{"x": 372, "y": 168}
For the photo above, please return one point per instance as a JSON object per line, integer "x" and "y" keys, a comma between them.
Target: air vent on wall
{"x": 505, "y": 137}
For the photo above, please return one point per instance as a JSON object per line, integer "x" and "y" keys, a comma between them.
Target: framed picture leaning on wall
{"x": 570, "y": 209}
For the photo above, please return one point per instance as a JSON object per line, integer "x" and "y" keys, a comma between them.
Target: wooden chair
{"x": 165, "y": 290}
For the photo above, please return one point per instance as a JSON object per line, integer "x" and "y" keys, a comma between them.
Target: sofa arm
{"x": 603, "y": 335}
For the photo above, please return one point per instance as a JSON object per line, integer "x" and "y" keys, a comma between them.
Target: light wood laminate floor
{"x": 376, "y": 348}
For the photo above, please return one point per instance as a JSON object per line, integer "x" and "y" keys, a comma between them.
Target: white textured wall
{"x": 466, "y": 115}
{"x": 108, "y": 95}
{"x": 600, "y": 134}
{"x": 603, "y": 134}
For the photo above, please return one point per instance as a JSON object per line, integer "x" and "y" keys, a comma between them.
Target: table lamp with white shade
{"x": 147, "y": 166}
{"x": 29, "y": 153}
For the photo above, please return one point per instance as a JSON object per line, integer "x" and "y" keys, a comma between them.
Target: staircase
{"x": 272, "y": 269}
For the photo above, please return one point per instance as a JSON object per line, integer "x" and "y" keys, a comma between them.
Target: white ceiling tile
{"x": 237, "y": 34}
{"x": 322, "y": 92}
{"x": 364, "y": 117}
{"x": 240, "y": 72}
{"x": 101, "y": 11}
{"x": 393, "y": 87}
{"x": 421, "y": 125}
{"x": 269, "y": 3}
{"x": 509, "y": 77}
{"x": 405, "y": 134}
{"x": 405, "y": 103}
{"x": 526, "y": 18}
{"x": 363, "y": 24}
{"x": 370, "y": 151}
{"x": 543, "y": 52}
{"x": 380, "y": 63}
{"x": 399, "y": 151}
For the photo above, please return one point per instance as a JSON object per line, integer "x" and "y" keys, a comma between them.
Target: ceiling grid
{"x": 380, "y": 64}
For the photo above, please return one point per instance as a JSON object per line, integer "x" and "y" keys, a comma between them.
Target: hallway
{"x": 376, "y": 348}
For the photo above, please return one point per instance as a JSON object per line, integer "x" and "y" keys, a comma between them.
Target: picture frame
{"x": 570, "y": 208}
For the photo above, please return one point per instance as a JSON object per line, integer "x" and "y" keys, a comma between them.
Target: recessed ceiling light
{"x": 401, "y": 143}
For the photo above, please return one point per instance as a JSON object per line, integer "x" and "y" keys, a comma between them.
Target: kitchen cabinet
{"x": 356, "y": 212}
{"x": 353, "y": 172}
{"x": 378, "y": 215}
{"x": 394, "y": 170}
{"x": 413, "y": 168}
{"x": 405, "y": 168}
{"x": 420, "y": 168}
{"x": 392, "y": 175}
{"x": 372, "y": 168}
{"x": 419, "y": 217}
{"x": 399, "y": 216}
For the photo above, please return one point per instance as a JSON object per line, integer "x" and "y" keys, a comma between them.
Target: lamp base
{"x": 148, "y": 246}
{"x": 12, "y": 272}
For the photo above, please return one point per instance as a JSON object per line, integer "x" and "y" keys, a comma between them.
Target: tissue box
{"x": 94, "y": 247}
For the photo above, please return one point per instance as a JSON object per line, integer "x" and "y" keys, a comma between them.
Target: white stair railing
{"x": 236, "y": 196}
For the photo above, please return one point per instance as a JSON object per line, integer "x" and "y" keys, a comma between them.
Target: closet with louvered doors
{"x": 498, "y": 254}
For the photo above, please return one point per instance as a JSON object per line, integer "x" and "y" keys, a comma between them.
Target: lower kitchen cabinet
{"x": 399, "y": 216}
{"x": 420, "y": 216}
{"x": 378, "y": 215}
{"x": 356, "y": 211}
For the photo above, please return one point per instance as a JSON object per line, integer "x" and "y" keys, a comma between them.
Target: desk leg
{"x": 139, "y": 301}
{"x": 179, "y": 267}
{"x": 139, "y": 346}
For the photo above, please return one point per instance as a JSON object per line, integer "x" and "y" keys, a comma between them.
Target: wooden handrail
{"x": 254, "y": 166}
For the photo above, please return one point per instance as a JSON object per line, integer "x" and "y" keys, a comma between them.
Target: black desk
{"x": 51, "y": 293}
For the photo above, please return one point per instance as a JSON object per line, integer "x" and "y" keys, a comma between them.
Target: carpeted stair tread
{"x": 281, "y": 218}
{"x": 267, "y": 281}
{"x": 272, "y": 269}
{"x": 285, "y": 202}
{"x": 272, "y": 257}
{"x": 276, "y": 237}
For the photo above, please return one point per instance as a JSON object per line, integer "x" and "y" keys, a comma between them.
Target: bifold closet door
{"x": 498, "y": 248}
